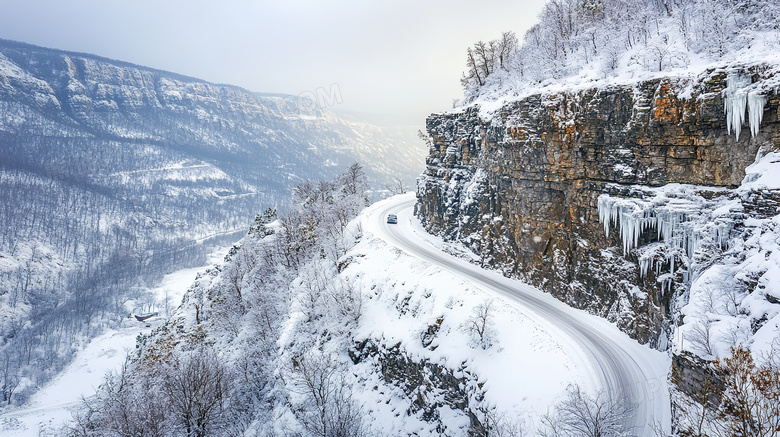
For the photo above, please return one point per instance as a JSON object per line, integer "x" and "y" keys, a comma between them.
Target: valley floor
{"x": 50, "y": 408}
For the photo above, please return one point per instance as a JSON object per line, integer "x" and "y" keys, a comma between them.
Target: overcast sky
{"x": 390, "y": 57}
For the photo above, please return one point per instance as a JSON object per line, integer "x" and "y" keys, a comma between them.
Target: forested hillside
{"x": 112, "y": 174}
{"x": 223, "y": 378}
{"x": 585, "y": 41}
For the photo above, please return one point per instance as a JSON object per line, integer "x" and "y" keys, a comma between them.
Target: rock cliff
{"x": 522, "y": 186}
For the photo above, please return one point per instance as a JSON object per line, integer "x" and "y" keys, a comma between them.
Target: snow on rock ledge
{"x": 764, "y": 174}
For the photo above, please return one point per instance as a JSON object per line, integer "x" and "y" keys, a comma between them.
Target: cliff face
{"x": 522, "y": 187}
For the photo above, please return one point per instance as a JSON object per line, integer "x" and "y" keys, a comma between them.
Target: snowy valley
{"x": 592, "y": 248}
{"x": 114, "y": 175}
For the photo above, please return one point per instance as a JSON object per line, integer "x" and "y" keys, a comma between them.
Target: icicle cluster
{"x": 737, "y": 100}
{"x": 756, "y": 104}
{"x": 631, "y": 218}
{"x": 646, "y": 263}
{"x": 674, "y": 220}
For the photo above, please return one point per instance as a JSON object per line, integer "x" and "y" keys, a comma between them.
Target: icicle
{"x": 756, "y": 104}
{"x": 693, "y": 244}
{"x": 645, "y": 265}
{"x": 630, "y": 219}
{"x": 735, "y": 102}
{"x": 604, "y": 212}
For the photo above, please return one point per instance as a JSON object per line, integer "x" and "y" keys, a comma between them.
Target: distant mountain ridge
{"x": 125, "y": 102}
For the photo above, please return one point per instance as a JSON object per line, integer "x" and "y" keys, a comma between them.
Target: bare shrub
{"x": 750, "y": 405}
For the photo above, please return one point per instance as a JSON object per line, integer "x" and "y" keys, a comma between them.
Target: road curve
{"x": 625, "y": 370}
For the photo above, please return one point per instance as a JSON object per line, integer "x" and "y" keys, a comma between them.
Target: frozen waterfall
{"x": 679, "y": 223}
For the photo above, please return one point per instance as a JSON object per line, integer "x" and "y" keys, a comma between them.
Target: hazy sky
{"x": 395, "y": 57}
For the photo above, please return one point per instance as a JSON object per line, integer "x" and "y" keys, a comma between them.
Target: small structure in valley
{"x": 145, "y": 316}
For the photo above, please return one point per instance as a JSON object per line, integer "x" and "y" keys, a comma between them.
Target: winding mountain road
{"x": 624, "y": 369}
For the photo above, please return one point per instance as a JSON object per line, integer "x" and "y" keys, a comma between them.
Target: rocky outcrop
{"x": 696, "y": 378}
{"x": 427, "y": 386}
{"x": 521, "y": 186}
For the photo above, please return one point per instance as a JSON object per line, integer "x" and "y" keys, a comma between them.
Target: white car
{"x": 392, "y": 219}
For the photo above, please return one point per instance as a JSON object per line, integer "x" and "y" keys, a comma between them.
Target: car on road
{"x": 392, "y": 219}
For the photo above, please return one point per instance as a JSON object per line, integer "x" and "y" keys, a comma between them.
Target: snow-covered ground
{"x": 532, "y": 358}
{"x": 49, "y": 409}
{"x": 523, "y": 373}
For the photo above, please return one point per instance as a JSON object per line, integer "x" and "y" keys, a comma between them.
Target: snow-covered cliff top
{"x": 579, "y": 45}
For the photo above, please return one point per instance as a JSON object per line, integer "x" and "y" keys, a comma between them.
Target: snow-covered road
{"x": 626, "y": 370}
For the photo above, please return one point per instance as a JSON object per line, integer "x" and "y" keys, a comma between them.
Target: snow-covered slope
{"x": 619, "y": 366}
{"x": 384, "y": 334}
{"x": 50, "y": 408}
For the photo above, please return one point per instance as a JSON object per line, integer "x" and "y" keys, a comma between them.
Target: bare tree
{"x": 333, "y": 412}
{"x": 347, "y": 300}
{"x": 125, "y": 404}
{"x": 709, "y": 301}
{"x": 197, "y": 387}
{"x": 243, "y": 262}
{"x": 480, "y": 325}
{"x": 396, "y": 186}
{"x": 506, "y": 47}
{"x": 700, "y": 335}
{"x": 354, "y": 179}
{"x": 314, "y": 284}
{"x": 9, "y": 376}
{"x": 733, "y": 300}
{"x": 583, "y": 415}
{"x": 501, "y": 424}
{"x": 473, "y": 75}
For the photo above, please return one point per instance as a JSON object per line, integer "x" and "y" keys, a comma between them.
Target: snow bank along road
{"x": 626, "y": 370}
